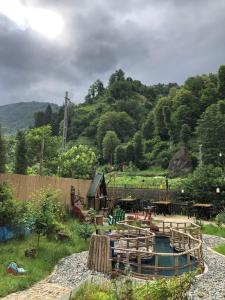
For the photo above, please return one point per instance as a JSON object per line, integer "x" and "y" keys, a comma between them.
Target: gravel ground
{"x": 72, "y": 270}
{"x": 211, "y": 285}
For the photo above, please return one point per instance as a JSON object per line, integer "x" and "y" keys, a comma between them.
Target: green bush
{"x": 220, "y": 218}
{"x": 84, "y": 231}
{"x": 44, "y": 213}
{"x": 5, "y": 192}
{"x": 125, "y": 289}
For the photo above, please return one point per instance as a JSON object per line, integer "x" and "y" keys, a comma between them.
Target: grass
{"x": 122, "y": 180}
{"x": 220, "y": 249}
{"x": 213, "y": 230}
{"x": 217, "y": 231}
{"x": 49, "y": 253}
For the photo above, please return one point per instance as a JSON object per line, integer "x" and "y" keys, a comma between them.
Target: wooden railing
{"x": 136, "y": 242}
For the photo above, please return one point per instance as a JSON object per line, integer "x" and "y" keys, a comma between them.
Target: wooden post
{"x": 139, "y": 263}
{"x": 176, "y": 265}
{"x": 156, "y": 263}
{"x": 99, "y": 254}
{"x": 189, "y": 261}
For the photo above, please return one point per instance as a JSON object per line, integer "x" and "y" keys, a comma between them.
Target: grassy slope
{"x": 50, "y": 252}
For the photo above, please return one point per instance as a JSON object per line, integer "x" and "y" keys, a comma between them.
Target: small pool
{"x": 162, "y": 245}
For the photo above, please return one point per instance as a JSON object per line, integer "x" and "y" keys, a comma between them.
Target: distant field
{"x": 142, "y": 181}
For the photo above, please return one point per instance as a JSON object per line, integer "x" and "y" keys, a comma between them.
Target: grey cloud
{"x": 153, "y": 41}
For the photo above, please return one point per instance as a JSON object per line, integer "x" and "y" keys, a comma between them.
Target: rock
{"x": 180, "y": 164}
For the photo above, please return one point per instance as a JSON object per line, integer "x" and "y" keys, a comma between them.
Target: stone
{"x": 180, "y": 164}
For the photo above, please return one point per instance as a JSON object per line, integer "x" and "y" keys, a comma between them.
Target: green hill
{"x": 20, "y": 115}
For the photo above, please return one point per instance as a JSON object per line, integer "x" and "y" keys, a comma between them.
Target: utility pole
{"x": 65, "y": 121}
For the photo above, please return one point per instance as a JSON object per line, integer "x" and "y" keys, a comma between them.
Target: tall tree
{"x": 120, "y": 154}
{"x": 109, "y": 144}
{"x": 185, "y": 134}
{"x": 221, "y": 81}
{"x": 211, "y": 134}
{"x": 2, "y": 152}
{"x": 48, "y": 115}
{"x": 130, "y": 155}
{"x": 138, "y": 147}
{"x": 21, "y": 154}
{"x": 148, "y": 126}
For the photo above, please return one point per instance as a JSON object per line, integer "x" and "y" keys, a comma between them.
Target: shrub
{"x": 44, "y": 213}
{"x": 5, "y": 192}
{"x": 84, "y": 231}
{"x": 220, "y": 218}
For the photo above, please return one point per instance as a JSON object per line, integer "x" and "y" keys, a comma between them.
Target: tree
{"x": 21, "y": 154}
{"x": 78, "y": 162}
{"x": 109, "y": 144}
{"x": 2, "y": 152}
{"x": 185, "y": 134}
{"x": 39, "y": 119}
{"x": 48, "y": 115}
{"x": 120, "y": 154}
{"x": 94, "y": 91}
{"x": 117, "y": 76}
{"x": 159, "y": 121}
{"x": 138, "y": 147}
{"x": 148, "y": 126}
{"x": 211, "y": 133}
{"x": 120, "y": 122}
{"x": 43, "y": 148}
{"x": 130, "y": 155}
{"x": 221, "y": 81}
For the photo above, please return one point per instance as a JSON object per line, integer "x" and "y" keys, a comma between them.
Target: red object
{"x": 78, "y": 213}
{"x": 11, "y": 271}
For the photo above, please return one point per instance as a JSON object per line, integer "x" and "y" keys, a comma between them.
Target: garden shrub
{"x": 84, "y": 231}
{"x": 9, "y": 208}
{"x": 124, "y": 288}
{"x": 45, "y": 213}
{"x": 220, "y": 218}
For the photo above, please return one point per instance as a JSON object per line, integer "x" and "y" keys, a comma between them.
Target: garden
{"x": 53, "y": 235}
{"x": 40, "y": 233}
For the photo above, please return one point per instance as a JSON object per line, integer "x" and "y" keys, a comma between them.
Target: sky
{"x": 48, "y": 47}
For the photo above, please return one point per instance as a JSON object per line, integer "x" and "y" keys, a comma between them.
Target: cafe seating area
{"x": 167, "y": 207}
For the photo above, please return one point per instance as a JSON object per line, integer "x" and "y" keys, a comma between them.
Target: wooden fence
{"x": 24, "y": 186}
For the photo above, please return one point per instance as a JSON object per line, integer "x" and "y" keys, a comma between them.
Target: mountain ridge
{"x": 20, "y": 115}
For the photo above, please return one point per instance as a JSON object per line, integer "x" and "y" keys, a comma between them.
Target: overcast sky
{"x": 151, "y": 40}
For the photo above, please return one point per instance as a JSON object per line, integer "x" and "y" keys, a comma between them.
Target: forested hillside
{"x": 20, "y": 115}
{"x": 127, "y": 121}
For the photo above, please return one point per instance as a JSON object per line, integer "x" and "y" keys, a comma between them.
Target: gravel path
{"x": 211, "y": 285}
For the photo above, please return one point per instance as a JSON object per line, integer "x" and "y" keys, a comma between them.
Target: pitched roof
{"x": 94, "y": 185}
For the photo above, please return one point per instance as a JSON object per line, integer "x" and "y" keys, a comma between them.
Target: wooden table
{"x": 164, "y": 207}
{"x": 127, "y": 204}
{"x": 203, "y": 210}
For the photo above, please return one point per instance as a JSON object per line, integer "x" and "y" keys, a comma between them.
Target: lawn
{"x": 213, "y": 230}
{"x": 49, "y": 253}
{"x": 218, "y": 231}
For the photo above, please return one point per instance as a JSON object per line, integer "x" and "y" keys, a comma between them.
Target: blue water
{"x": 162, "y": 245}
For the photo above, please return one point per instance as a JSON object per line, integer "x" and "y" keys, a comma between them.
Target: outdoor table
{"x": 164, "y": 207}
{"x": 203, "y": 210}
{"x": 127, "y": 203}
